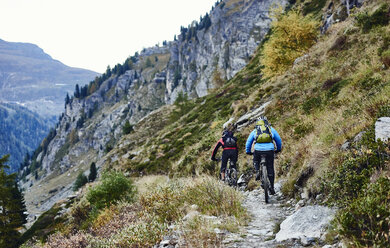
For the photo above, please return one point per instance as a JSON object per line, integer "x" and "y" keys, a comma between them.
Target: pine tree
{"x": 67, "y": 99}
{"x": 127, "y": 128}
{"x": 12, "y": 207}
{"x": 77, "y": 91}
{"x": 92, "y": 172}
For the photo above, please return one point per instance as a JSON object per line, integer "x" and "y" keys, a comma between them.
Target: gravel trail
{"x": 265, "y": 220}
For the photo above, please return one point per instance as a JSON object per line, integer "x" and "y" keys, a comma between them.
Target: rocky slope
{"x": 30, "y": 77}
{"x": 21, "y": 131}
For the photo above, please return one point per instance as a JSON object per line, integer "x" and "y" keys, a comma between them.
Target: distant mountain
{"x": 21, "y": 131}
{"x": 30, "y": 77}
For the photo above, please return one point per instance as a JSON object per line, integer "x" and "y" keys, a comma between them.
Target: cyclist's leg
{"x": 233, "y": 155}
{"x": 271, "y": 170}
{"x": 223, "y": 164}
{"x": 256, "y": 163}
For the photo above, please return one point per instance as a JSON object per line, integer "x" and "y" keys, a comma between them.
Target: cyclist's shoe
{"x": 257, "y": 175}
{"x": 271, "y": 190}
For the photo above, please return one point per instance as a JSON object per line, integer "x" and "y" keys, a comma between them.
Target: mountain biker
{"x": 264, "y": 136}
{"x": 230, "y": 151}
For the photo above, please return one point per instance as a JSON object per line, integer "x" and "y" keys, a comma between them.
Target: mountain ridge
{"x": 31, "y": 77}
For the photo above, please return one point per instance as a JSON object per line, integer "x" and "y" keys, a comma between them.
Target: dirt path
{"x": 266, "y": 218}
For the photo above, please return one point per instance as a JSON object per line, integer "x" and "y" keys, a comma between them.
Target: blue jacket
{"x": 264, "y": 146}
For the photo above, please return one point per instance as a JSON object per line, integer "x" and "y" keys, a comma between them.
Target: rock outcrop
{"x": 220, "y": 51}
{"x": 308, "y": 223}
{"x": 382, "y": 129}
{"x": 338, "y": 11}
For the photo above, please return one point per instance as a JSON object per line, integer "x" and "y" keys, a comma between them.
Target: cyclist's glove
{"x": 276, "y": 152}
{"x": 214, "y": 159}
{"x": 249, "y": 153}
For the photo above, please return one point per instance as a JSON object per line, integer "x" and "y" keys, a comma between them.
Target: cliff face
{"x": 221, "y": 50}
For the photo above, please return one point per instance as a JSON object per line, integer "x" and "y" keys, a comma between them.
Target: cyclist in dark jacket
{"x": 230, "y": 151}
{"x": 267, "y": 147}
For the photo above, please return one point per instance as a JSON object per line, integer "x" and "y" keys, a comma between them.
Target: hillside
{"x": 21, "y": 131}
{"x": 324, "y": 101}
{"x": 31, "y": 77}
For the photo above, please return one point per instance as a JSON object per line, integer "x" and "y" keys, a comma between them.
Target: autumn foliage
{"x": 292, "y": 35}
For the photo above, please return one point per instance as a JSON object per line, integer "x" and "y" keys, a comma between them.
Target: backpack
{"x": 229, "y": 140}
{"x": 263, "y": 132}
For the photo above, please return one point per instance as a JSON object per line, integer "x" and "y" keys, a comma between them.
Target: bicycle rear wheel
{"x": 233, "y": 177}
{"x": 264, "y": 179}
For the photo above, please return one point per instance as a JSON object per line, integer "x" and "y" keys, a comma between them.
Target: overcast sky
{"x": 92, "y": 34}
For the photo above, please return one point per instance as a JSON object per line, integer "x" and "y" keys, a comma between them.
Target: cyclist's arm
{"x": 219, "y": 144}
{"x": 249, "y": 142}
{"x": 277, "y": 140}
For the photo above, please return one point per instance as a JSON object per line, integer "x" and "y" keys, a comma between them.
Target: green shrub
{"x": 380, "y": 17}
{"x": 311, "y": 104}
{"x": 346, "y": 182}
{"x": 302, "y": 129}
{"x": 313, "y": 6}
{"x": 127, "y": 127}
{"x": 44, "y": 225}
{"x": 366, "y": 221}
{"x": 368, "y": 82}
{"x": 334, "y": 90}
{"x": 113, "y": 188}
{"x": 81, "y": 180}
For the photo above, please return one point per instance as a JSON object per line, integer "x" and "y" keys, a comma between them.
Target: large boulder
{"x": 310, "y": 222}
{"x": 382, "y": 129}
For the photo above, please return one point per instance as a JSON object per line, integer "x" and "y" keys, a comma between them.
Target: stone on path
{"x": 310, "y": 221}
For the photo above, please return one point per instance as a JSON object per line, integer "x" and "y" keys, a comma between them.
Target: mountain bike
{"x": 231, "y": 174}
{"x": 264, "y": 177}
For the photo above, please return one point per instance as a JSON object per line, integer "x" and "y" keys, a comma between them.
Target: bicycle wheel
{"x": 233, "y": 177}
{"x": 264, "y": 179}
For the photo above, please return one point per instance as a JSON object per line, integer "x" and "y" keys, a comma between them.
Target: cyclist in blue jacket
{"x": 264, "y": 137}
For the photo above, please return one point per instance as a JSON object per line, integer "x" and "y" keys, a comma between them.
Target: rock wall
{"x": 237, "y": 28}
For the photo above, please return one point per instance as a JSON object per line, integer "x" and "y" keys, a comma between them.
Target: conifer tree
{"x": 67, "y": 99}
{"x": 92, "y": 172}
{"x": 127, "y": 127}
{"x": 12, "y": 207}
{"x": 77, "y": 91}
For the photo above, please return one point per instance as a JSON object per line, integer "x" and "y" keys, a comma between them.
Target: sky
{"x": 93, "y": 34}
